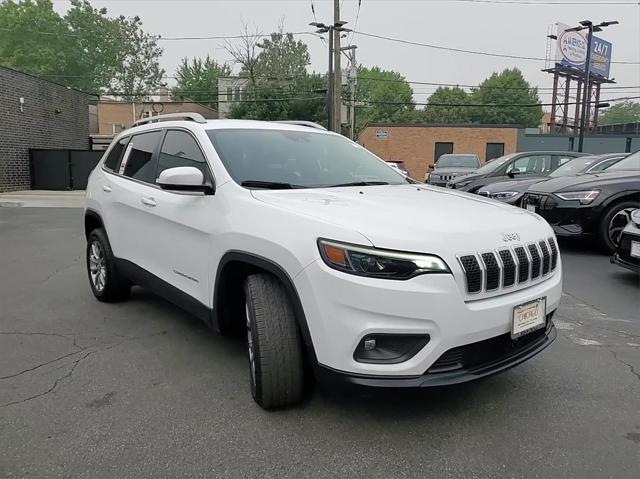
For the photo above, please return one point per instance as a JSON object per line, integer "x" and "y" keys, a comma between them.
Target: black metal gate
{"x": 62, "y": 169}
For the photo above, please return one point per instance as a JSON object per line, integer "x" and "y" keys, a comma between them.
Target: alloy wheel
{"x": 618, "y": 223}
{"x": 97, "y": 266}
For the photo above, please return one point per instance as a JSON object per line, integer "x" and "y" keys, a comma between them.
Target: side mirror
{"x": 430, "y": 167}
{"x": 513, "y": 172}
{"x": 184, "y": 178}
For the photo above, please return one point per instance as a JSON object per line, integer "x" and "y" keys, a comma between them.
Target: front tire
{"x": 105, "y": 281}
{"x": 613, "y": 222}
{"x": 273, "y": 343}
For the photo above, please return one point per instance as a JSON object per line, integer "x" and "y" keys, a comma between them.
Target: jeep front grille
{"x": 508, "y": 267}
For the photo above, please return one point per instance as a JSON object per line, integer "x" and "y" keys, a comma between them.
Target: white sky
{"x": 518, "y": 29}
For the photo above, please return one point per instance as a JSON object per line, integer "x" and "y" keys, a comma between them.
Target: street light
{"x": 588, "y": 25}
{"x": 331, "y": 89}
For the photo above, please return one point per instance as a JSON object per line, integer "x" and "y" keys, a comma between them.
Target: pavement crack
{"x": 62, "y": 268}
{"x": 38, "y": 366}
{"x": 632, "y": 369}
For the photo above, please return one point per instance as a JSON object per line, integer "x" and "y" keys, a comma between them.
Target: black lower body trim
{"x": 617, "y": 259}
{"x": 144, "y": 278}
{"x": 329, "y": 375}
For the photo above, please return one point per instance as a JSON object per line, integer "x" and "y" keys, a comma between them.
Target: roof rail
{"x": 197, "y": 117}
{"x": 308, "y": 124}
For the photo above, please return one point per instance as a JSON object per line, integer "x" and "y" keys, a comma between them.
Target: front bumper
{"x": 341, "y": 309}
{"x": 505, "y": 358}
{"x": 622, "y": 256}
{"x": 567, "y": 218}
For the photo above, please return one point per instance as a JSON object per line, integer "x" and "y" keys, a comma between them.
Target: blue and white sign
{"x": 571, "y": 51}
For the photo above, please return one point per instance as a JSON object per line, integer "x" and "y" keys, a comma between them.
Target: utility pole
{"x": 586, "y": 94}
{"x": 337, "y": 71}
{"x": 334, "y": 97}
{"x": 353, "y": 74}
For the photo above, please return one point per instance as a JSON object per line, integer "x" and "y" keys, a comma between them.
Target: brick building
{"x": 35, "y": 113}
{"x": 418, "y": 146}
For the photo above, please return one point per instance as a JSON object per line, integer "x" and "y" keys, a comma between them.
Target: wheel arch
{"x": 92, "y": 220}
{"x": 233, "y": 268}
{"x": 620, "y": 197}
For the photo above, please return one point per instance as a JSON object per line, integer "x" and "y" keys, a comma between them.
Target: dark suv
{"x": 514, "y": 166}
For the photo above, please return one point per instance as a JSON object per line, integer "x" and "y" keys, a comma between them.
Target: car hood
{"x": 583, "y": 182}
{"x": 416, "y": 218}
{"x": 514, "y": 185}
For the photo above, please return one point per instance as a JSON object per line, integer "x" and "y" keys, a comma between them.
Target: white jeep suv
{"x": 331, "y": 263}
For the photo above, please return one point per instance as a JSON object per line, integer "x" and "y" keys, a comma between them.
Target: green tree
{"x": 198, "y": 80}
{"x": 440, "y": 107}
{"x": 302, "y": 98}
{"x": 384, "y": 95}
{"x": 625, "y": 112}
{"x": 35, "y": 39}
{"x": 282, "y": 56}
{"x": 85, "y": 49}
{"x": 510, "y": 89}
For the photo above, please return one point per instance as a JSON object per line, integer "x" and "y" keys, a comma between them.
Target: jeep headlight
{"x": 504, "y": 195}
{"x": 584, "y": 197}
{"x": 378, "y": 263}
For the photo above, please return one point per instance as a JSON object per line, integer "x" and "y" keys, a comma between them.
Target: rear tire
{"x": 106, "y": 283}
{"x": 613, "y": 222}
{"x": 273, "y": 343}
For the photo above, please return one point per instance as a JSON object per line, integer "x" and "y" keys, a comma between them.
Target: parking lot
{"x": 142, "y": 389}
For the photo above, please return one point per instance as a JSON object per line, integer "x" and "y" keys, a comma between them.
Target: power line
{"x": 532, "y": 2}
{"x": 462, "y": 50}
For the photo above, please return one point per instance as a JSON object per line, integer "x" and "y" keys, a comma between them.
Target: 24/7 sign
{"x": 571, "y": 51}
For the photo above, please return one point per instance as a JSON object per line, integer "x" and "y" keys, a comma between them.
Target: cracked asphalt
{"x": 141, "y": 389}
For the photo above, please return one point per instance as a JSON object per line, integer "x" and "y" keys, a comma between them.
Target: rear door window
{"x": 140, "y": 160}
{"x": 115, "y": 154}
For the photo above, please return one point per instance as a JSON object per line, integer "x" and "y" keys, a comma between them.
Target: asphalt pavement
{"x": 141, "y": 389}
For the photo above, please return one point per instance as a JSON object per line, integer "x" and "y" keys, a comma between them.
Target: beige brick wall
{"x": 415, "y": 145}
{"x": 117, "y": 113}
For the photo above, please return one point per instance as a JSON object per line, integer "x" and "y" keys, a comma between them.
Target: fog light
{"x": 369, "y": 344}
{"x": 389, "y": 348}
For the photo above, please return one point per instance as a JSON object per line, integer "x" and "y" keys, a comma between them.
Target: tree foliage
{"x": 435, "y": 113}
{"x": 198, "y": 80}
{"x": 510, "y": 89}
{"x": 385, "y": 96}
{"x": 282, "y": 56}
{"x": 625, "y": 112}
{"x": 85, "y": 49}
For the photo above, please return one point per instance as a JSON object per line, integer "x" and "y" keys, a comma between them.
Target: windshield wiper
{"x": 269, "y": 185}
{"x": 361, "y": 183}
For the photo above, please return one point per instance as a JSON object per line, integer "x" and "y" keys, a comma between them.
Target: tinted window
{"x": 181, "y": 149}
{"x": 603, "y": 165}
{"x": 115, "y": 154}
{"x": 494, "y": 165}
{"x": 139, "y": 162}
{"x": 631, "y": 162}
{"x": 458, "y": 161}
{"x": 534, "y": 164}
{"x": 305, "y": 159}
{"x": 575, "y": 166}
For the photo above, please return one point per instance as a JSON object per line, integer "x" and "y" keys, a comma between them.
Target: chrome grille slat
{"x": 490, "y": 271}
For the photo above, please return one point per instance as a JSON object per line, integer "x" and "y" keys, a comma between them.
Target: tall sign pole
{"x": 586, "y": 111}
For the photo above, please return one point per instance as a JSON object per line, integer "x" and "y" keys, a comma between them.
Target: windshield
{"x": 298, "y": 159}
{"x": 631, "y": 162}
{"x": 574, "y": 166}
{"x": 494, "y": 165}
{"x": 458, "y": 161}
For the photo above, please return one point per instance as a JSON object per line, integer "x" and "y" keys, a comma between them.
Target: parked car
{"x": 511, "y": 191}
{"x": 627, "y": 253}
{"x": 449, "y": 166}
{"x": 398, "y": 166}
{"x": 519, "y": 166}
{"x": 597, "y": 204}
{"x": 307, "y": 244}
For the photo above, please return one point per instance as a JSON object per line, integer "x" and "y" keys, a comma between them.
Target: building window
{"x": 229, "y": 93}
{"x": 494, "y": 150}
{"x": 442, "y": 149}
{"x": 236, "y": 94}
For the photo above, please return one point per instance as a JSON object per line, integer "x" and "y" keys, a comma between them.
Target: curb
{"x": 10, "y": 204}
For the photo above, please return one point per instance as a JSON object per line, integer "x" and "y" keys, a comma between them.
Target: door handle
{"x": 148, "y": 201}
{"x": 106, "y": 189}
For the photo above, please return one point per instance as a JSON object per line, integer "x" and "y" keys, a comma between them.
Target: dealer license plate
{"x": 635, "y": 249}
{"x": 529, "y": 317}
{"x": 531, "y": 208}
